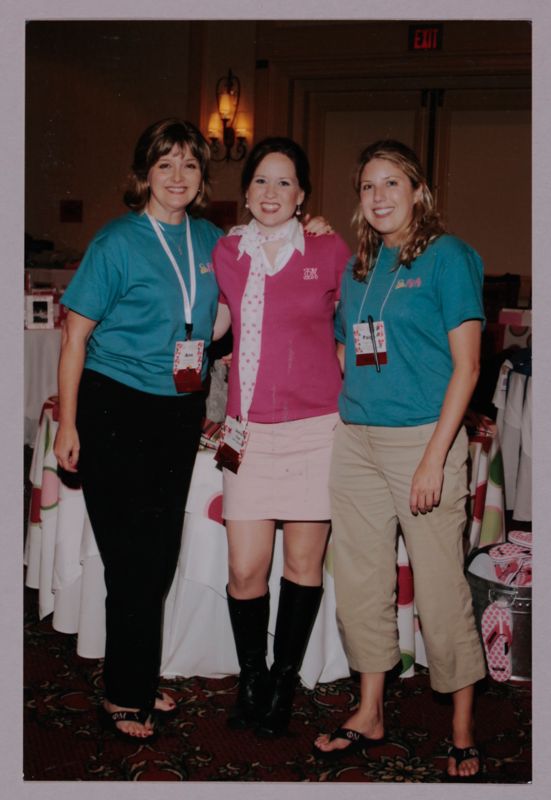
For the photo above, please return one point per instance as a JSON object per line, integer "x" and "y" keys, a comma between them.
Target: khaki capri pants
{"x": 370, "y": 482}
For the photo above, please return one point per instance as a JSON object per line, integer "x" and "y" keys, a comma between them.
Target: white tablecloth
{"x": 41, "y": 356}
{"x": 64, "y": 565}
{"x": 513, "y": 400}
{"x": 487, "y": 502}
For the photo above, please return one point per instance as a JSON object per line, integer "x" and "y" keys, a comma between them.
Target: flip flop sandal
{"x": 169, "y": 712}
{"x": 523, "y": 577}
{"x": 109, "y": 719}
{"x": 524, "y": 538}
{"x": 460, "y": 754}
{"x": 507, "y": 572}
{"x": 357, "y": 741}
{"x": 508, "y": 551}
{"x": 497, "y": 626}
{"x": 159, "y": 714}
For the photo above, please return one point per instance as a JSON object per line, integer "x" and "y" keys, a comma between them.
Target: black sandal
{"x": 109, "y": 719}
{"x": 358, "y": 742}
{"x": 460, "y": 754}
{"x": 169, "y": 711}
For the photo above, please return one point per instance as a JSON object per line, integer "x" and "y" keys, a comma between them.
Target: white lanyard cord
{"x": 389, "y": 291}
{"x": 369, "y": 286}
{"x": 188, "y": 302}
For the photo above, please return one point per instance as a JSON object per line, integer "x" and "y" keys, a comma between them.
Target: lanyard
{"x": 367, "y": 288}
{"x": 188, "y": 302}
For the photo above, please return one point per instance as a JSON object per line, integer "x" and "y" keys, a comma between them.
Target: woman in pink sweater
{"x": 279, "y": 285}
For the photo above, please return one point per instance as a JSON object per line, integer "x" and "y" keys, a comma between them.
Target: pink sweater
{"x": 299, "y": 375}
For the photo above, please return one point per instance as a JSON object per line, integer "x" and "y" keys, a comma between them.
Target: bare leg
{"x": 304, "y": 545}
{"x": 250, "y": 544}
{"x": 463, "y": 731}
{"x": 367, "y": 719}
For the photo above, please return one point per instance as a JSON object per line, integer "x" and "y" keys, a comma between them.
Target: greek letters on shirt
{"x": 409, "y": 283}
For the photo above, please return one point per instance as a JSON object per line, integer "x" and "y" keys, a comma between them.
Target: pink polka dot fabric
{"x": 497, "y": 637}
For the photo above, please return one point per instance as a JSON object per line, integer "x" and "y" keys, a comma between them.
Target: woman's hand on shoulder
{"x": 67, "y": 447}
{"x": 426, "y": 486}
{"x": 316, "y": 226}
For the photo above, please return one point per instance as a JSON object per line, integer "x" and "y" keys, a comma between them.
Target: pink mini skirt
{"x": 284, "y": 474}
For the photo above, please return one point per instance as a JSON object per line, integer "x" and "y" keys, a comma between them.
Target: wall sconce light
{"x": 228, "y": 90}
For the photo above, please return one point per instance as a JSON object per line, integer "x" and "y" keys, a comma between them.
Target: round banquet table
{"x": 64, "y": 565}
{"x": 41, "y": 354}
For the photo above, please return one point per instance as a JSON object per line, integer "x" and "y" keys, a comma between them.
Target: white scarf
{"x": 252, "y": 302}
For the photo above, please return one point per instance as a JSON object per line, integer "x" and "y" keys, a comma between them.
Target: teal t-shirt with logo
{"x": 441, "y": 289}
{"x": 127, "y": 284}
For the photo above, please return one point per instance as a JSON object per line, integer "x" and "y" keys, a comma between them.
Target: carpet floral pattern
{"x": 63, "y": 739}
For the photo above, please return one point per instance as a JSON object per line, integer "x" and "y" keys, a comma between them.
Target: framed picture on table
{"x": 39, "y": 311}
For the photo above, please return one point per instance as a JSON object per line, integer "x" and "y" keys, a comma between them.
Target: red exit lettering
{"x": 425, "y": 39}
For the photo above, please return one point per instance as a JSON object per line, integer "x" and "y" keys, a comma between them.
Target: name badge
{"x": 370, "y": 343}
{"x": 186, "y": 370}
{"x": 233, "y": 441}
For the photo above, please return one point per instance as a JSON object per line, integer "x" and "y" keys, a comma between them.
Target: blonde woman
{"x": 409, "y": 324}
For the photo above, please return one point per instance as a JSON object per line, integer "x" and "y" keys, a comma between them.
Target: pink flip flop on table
{"x": 497, "y": 637}
{"x": 506, "y": 551}
{"x": 523, "y": 538}
{"x": 509, "y": 558}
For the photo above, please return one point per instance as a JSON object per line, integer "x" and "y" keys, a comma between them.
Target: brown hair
{"x": 425, "y": 224}
{"x": 156, "y": 141}
{"x": 285, "y": 146}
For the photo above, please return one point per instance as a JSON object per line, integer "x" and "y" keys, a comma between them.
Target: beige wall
{"x": 228, "y": 44}
{"x": 93, "y": 86}
{"x": 483, "y": 153}
{"x": 338, "y": 86}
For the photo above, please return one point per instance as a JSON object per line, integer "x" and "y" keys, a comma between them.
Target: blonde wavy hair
{"x": 425, "y": 224}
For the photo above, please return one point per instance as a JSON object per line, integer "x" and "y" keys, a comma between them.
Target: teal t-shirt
{"x": 441, "y": 289}
{"x": 127, "y": 284}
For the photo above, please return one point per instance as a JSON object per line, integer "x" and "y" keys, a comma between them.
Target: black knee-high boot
{"x": 249, "y": 619}
{"x": 296, "y": 614}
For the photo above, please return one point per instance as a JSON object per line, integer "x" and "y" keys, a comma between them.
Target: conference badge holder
{"x": 188, "y": 358}
{"x": 370, "y": 343}
{"x": 233, "y": 442}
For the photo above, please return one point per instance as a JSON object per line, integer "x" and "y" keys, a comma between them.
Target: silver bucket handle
{"x": 508, "y": 602}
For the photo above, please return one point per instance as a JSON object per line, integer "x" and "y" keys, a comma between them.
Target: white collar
{"x": 251, "y": 237}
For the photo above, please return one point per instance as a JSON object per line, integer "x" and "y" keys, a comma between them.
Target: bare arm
{"x": 340, "y": 355}
{"x": 74, "y": 336}
{"x": 426, "y": 485}
{"x": 222, "y": 322}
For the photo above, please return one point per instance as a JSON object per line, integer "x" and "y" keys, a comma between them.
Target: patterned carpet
{"x": 62, "y": 738}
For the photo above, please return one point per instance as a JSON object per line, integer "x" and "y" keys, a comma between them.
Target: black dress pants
{"x": 136, "y": 460}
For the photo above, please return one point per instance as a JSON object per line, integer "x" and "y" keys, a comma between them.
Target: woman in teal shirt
{"x": 141, "y": 310}
{"x": 408, "y": 325}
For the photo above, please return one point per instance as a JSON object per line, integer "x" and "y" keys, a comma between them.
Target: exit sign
{"x": 425, "y": 37}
